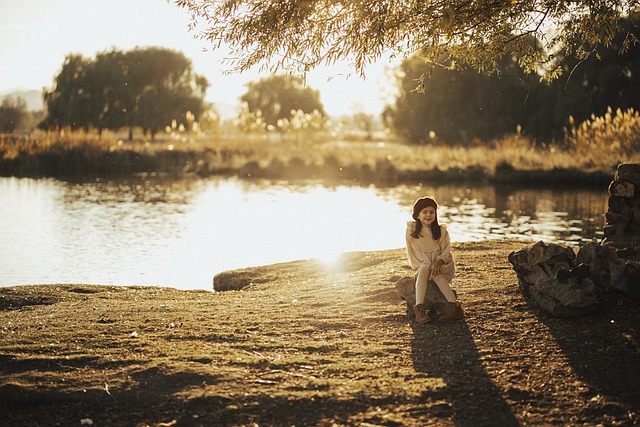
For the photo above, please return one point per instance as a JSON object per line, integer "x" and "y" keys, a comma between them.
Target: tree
{"x": 165, "y": 88}
{"x": 13, "y": 112}
{"x": 275, "y": 97}
{"x": 462, "y": 105}
{"x": 145, "y": 88}
{"x": 111, "y": 93}
{"x": 595, "y": 84}
{"x": 69, "y": 104}
{"x": 298, "y": 35}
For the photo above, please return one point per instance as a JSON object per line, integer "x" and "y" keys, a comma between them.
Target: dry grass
{"x": 595, "y": 145}
{"x": 308, "y": 346}
{"x": 617, "y": 133}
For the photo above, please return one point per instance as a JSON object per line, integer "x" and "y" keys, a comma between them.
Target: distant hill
{"x": 33, "y": 98}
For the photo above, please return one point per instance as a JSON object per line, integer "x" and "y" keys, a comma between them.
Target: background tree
{"x": 275, "y": 97}
{"x": 165, "y": 88}
{"x": 13, "y": 113}
{"x": 110, "y": 91}
{"x": 69, "y": 104}
{"x": 605, "y": 80}
{"x": 146, "y": 88}
{"x": 460, "y": 106}
{"x": 300, "y": 35}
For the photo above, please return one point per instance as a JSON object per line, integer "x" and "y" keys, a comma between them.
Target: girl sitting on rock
{"x": 429, "y": 252}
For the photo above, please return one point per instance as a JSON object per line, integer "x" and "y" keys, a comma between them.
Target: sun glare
{"x": 280, "y": 223}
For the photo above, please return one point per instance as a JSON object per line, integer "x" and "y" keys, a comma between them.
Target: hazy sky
{"x": 36, "y": 35}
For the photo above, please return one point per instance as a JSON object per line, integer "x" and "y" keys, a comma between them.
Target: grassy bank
{"x": 309, "y": 345}
{"x": 511, "y": 160}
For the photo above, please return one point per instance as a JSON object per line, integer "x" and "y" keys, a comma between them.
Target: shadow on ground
{"x": 447, "y": 351}
{"x": 603, "y": 349}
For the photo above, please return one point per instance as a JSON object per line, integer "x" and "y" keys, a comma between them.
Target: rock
{"x": 627, "y": 253}
{"x": 565, "y": 297}
{"x": 633, "y": 178}
{"x": 618, "y": 219}
{"x": 539, "y": 261}
{"x": 619, "y": 205}
{"x": 612, "y": 268}
{"x": 598, "y": 258}
{"x": 236, "y": 280}
{"x": 564, "y": 284}
{"x": 622, "y": 189}
{"x": 625, "y": 277}
{"x": 434, "y": 300}
{"x": 625, "y": 170}
{"x": 623, "y": 216}
{"x": 547, "y": 276}
{"x": 620, "y": 239}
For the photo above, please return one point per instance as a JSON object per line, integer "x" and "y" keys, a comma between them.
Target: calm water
{"x": 181, "y": 232}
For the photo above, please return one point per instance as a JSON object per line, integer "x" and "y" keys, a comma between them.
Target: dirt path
{"x": 314, "y": 346}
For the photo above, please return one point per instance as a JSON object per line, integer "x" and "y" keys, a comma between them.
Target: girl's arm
{"x": 445, "y": 245}
{"x": 413, "y": 261}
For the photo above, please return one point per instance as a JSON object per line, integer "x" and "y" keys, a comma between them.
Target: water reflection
{"x": 473, "y": 213}
{"x": 180, "y": 232}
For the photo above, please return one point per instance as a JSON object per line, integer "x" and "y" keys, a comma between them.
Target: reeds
{"x": 598, "y": 144}
{"x": 614, "y": 133}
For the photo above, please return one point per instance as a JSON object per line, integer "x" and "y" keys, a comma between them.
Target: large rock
{"x": 612, "y": 268}
{"x": 434, "y": 300}
{"x": 613, "y": 264}
{"x": 598, "y": 257}
{"x": 540, "y": 261}
{"x": 566, "y": 295}
{"x": 623, "y": 217}
{"x": 629, "y": 172}
{"x": 547, "y": 277}
{"x": 622, "y": 189}
{"x": 625, "y": 276}
{"x": 236, "y": 280}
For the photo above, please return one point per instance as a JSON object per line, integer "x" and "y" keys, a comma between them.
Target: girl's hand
{"x": 435, "y": 268}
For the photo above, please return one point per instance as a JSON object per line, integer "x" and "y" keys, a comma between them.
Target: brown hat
{"x": 421, "y": 204}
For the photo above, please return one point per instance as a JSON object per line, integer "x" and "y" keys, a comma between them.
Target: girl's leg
{"x": 444, "y": 287}
{"x": 422, "y": 277}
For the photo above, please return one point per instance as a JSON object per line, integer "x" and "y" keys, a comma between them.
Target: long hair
{"x": 435, "y": 228}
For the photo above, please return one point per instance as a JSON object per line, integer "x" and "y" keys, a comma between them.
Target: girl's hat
{"x": 421, "y": 204}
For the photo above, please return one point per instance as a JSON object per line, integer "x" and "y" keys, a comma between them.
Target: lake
{"x": 180, "y": 232}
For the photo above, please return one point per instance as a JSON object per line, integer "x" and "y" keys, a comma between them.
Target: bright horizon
{"x": 36, "y": 36}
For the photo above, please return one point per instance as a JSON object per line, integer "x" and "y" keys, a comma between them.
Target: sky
{"x": 36, "y": 36}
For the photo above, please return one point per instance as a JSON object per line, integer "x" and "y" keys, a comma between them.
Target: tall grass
{"x": 598, "y": 144}
{"x": 612, "y": 134}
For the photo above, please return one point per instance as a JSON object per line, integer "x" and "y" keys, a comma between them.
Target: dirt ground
{"x": 309, "y": 344}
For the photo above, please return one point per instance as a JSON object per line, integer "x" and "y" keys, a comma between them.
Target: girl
{"x": 429, "y": 251}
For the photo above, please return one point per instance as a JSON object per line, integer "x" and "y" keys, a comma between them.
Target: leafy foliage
{"x": 298, "y": 35}
{"x": 279, "y": 98}
{"x": 606, "y": 80}
{"x": 462, "y": 105}
{"x": 13, "y": 112}
{"x": 146, "y": 88}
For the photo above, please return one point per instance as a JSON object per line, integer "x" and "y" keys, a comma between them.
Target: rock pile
{"x": 567, "y": 284}
{"x": 623, "y": 215}
{"x": 547, "y": 274}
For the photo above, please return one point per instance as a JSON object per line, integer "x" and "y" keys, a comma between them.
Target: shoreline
{"x": 78, "y": 164}
{"x": 304, "y": 344}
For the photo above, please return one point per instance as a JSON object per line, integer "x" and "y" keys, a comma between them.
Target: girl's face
{"x": 427, "y": 216}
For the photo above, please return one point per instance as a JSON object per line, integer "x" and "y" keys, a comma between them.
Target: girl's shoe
{"x": 421, "y": 314}
{"x": 454, "y": 312}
